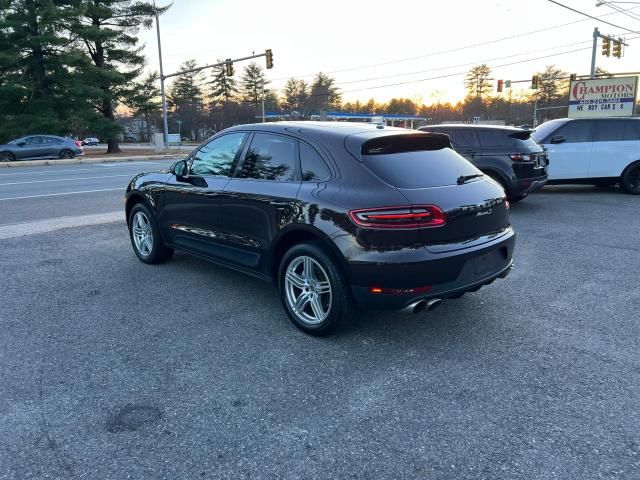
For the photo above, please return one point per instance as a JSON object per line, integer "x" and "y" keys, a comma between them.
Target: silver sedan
{"x": 35, "y": 147}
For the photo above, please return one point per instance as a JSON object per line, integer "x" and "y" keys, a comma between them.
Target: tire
{"x": 145, "y": 236}
{"x": 66, "y": 154}
{"x": 517, "y": 198}
{"x": 326, "y": 291}
{"x": 630, "y": 179}
{"x": 7, "y": 157}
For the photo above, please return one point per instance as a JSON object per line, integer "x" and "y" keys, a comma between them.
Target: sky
{"x": 386, "y": 49}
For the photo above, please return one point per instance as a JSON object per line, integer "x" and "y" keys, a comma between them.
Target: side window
{"x": 33, "y": 141}
{"x": 463, "y": 138}
{"x": 270, "y": 157}
{"x": 312, "y": 166}
{"x": 217, "y": 157}
{"x": 610, "y": 131}
{"x": 632, "y": 130}
{"x": 493, "y": 138}
{"x": 576, "y": 131}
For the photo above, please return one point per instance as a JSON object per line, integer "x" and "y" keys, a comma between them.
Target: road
{"x": 110, "y": 368}
{"x": 29, "y": 194}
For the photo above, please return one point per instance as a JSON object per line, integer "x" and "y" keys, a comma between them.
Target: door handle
{"x": 280, "y": 205}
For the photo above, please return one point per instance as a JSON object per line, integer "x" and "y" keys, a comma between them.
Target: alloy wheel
{"x": 142, "y": 234}
{"x": 308, "y": 290}
{"x": 66, "y": 154}
{"x": 6, "y": 157}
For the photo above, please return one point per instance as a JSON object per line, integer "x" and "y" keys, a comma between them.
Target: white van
{"x": 598, "y": 151}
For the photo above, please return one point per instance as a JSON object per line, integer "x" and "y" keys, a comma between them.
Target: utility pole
{"x": 596, "y": 34}
{"x": 165, "y": 124}
{"x": 263, "y": 119}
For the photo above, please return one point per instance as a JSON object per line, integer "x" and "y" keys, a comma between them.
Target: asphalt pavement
{"x": 113, "y": 369}
{"x": 35, "y": 193}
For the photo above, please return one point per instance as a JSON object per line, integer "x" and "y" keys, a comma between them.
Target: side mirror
{"x": 558, "y": 139}
{"x": 179, "y": 169}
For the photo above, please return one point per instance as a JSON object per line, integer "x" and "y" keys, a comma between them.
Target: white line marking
{"x": 55, "y": 169}
{"x": 63, "y": 179}
{"x": 50, "y": 225}
{"x": 64, "y": 193}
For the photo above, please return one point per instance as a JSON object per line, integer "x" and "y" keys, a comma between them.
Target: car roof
{"x": 475, "y": 126}
{"x": 318, "y": 130}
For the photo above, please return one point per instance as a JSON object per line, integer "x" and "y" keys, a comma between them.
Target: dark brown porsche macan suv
{"x": 341, "y": 216}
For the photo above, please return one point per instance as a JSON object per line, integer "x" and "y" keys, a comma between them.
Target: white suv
{"x": 598, "y": 151}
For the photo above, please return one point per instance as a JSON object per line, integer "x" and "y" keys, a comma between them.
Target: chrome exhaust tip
{"x": 433, "y": 303}
{"x": 422, "y": 305}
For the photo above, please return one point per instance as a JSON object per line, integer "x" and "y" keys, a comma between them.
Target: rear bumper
{"x": 525, "y": 186}
{"x": 447, "y": 275}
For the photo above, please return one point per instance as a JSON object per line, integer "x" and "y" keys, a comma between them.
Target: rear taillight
{"x": 78, "y": 143}
{"x": 520, "y": 157}
{"x": 506, "y": 204}
{"x": 399, "y": 217}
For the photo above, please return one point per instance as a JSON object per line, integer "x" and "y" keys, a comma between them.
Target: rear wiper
{"x": 463, "y": 178}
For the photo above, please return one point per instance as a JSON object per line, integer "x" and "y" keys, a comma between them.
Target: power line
{"x": 591, "y": 16}
{"x": 464, "y": 73}
{"x": 620, "y": 10}
{"x": 464, "y": 64}
{"x": 442, "y": 52}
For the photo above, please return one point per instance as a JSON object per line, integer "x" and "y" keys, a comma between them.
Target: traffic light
{"x": 229, "y": 67}
{"x": 534, "y": 82}
{"x": 269, "y": 56}
{"x": 606, "y": 47}
{"x": 573, "y": 77}
{"x": 500, "y": 85}
{"x": 617, "y": 48}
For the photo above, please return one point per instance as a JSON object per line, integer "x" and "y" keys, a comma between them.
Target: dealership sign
{"x": 605, "y": 97}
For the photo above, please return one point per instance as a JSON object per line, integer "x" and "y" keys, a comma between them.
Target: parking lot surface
{"x": 112, "y": 369}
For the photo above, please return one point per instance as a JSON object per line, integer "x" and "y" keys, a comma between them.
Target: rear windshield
{"x": 420, "y": 169}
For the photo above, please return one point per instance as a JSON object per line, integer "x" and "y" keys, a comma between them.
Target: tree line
{"x": 74, "y": 66}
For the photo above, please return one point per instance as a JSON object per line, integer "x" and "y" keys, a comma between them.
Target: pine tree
{"x": 296, "y": 98}
{"x": 107, "y": 30}
{"x": 186, "y": 96}
{"x": 36, "y": 79}
{"x": 144, "y": 99}
{"x": 222, "y": 87}
{"x": 324, "y": 94}
{"x": 477, "y": 82}
{"x": 253, "y": 83}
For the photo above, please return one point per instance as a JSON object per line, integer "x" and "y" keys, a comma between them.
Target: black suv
{"x": 337, "y": 214}
{"x": 509, "y": 155}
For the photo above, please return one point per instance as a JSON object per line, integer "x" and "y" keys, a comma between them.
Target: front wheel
{"x": 145, "y": 236}
{"x": 630, "y": 179}
{"x": 313, "y": 290}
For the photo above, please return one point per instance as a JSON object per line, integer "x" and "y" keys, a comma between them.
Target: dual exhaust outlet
{"x": 423, "y": 305}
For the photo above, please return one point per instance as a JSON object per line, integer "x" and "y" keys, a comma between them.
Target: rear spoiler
{"x": 523, "y": 134}
{"x": 412, "y": 142}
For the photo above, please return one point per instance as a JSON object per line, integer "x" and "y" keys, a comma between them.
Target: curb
{"x": 79, "y": 160}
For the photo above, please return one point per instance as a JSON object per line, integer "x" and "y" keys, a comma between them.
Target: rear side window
{"x": 420, "y": 169}
{"x": 576, "y": 131}
{"x": 503, "y": 138}
{"x": 270, "y": 157}
{"x": 616, "y": 131}
{"x": 312, "y": 166}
